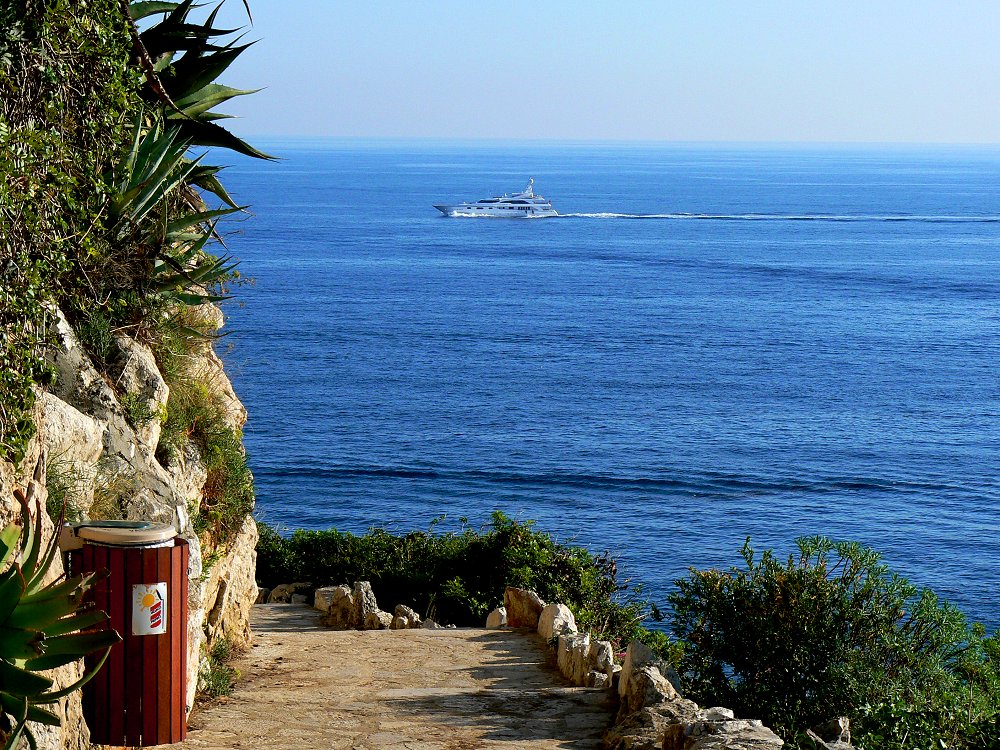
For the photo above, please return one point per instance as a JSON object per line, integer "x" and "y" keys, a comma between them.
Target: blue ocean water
{"x": 714, "y": 343}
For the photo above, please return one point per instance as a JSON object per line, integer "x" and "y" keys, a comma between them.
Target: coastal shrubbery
{"x": 832, "y": 632}
{"x": 458, "y": 577}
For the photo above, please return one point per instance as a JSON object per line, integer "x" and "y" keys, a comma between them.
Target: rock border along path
{"x": 305, "y": 686}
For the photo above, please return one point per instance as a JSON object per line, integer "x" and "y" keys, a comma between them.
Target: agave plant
{"x": 183, "y": 60}
{"x": 153, "y": 170}
{"x": 42, "y": 626}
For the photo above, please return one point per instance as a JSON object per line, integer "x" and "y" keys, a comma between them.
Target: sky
{"x": 706, "y": 70}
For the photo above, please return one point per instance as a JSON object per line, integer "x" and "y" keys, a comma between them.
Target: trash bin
{"x": 138, "y": 697}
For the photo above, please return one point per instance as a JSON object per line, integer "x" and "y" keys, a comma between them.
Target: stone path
{"x": 308, "y": 687}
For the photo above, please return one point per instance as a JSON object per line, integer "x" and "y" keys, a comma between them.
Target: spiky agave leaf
{"x": 41, "y": 625}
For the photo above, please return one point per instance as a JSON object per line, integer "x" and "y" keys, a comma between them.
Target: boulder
{"x": 262, "y": 595}
{"x": 300, "y": 599}
{"x": 739, "y": 734}
{"x": 555, "y": 620}
{"x": 597, "y": 680}
{"x": 523, "y": 608}
{"x": 636, "y": 655}
{"x": 377, "y": 620}
{"x": 341, "y": 614}
{"x": 364, "y": 603}
{"x": 430, "y": 625}
{"x": 571, "y": 656}
{"x": 645, "y": 687}
{"x": 323, "y": 598}
{"x": 497, "y": 619}
{"x": 282, "y": 594}
{"x": 601, "y": 657}
{"x": 642, "y": 730}
{"x": 404, "y": 617}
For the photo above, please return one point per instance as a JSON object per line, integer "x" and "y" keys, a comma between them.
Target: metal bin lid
{"x": 126, "y": 533}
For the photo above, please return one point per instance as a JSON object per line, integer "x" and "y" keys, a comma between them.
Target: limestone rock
{"x": 641, "y": 730}
{"x": 231, "y": 588}
{"x": 738, "y": 734}
{"x": 554, "y": 620}
{"x": 323, "y": 597}
{"x": 717, "y": 713}
{"x": 74, "y": 443}
{"x": 300, "y": 599}
{"x": 571, "y": 656}
{"x": 377, "y": 620}
{"x": 341, "y": 614}
{"x": 282, "y": 594}
{"x": 262, "y": 595}
{"x": 645, "y": 686}
{"x": 364, "y": 602}
{"x": 404, "y": 617}
{"x": 430, "y": 625}
{"x": 601, "y": 657}
{"x": 142, "y": 382}
{"x": 523, "y": 608}
{"x": 497, "y": 619}
{"x": 596, "y": 680}
{"x": 636, "y": 655}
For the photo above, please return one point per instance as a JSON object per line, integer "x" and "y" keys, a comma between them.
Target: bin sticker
{"x": 149, "y": 609}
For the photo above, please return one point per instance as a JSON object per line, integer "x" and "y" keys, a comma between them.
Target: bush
{"x": 832, "y": 632}
{"x": 458, "y": 577}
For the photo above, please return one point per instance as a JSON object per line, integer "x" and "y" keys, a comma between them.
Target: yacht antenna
{"x": 528, "y": 190}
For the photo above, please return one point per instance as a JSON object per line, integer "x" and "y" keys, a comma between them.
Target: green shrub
{"x": 457, "y": 577}
{"x": 832, "y": 632}
{"x": 218, "y": 677}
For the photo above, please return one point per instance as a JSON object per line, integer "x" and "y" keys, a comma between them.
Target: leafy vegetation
{"x": 218, "y": 676}
{"x": 457, "y": 577}
{"x": 103, "y": 217}
{"x": 42, "y": 626}
{"x": 832, "y": 632}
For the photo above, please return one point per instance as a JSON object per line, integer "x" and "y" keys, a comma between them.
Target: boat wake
{"x": 789, "y": 217}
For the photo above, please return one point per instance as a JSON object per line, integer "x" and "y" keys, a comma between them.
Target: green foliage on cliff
{"x": 458, "y": 577}
{"x": 832, "y": 632}
{"x": 100, "y": 210}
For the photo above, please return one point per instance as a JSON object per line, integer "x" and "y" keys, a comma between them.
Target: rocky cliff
{"x": 104, "y": 463}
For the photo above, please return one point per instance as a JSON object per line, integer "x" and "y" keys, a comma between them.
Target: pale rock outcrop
{"x": 231, "y": 587}
{"x": 497, "y": 619}
{"x": 140, "y": 379}
{"x": 378, "y": 620}
{"x": 323, "y": 598}
{"x": 523, "y": 608}
{"x": 571, "y": 656}
{"x": 404, "y": 618}
{"x": 555, "y": 620}
{"x": 364, "y": 602}
{"x": 74, "y": 443}
{"x": 341, "y": 614}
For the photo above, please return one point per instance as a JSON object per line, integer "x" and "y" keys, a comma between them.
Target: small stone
{"x": 377, "y": 620}
{"x": 299, "y": 599}
{"x": 430, "y": 625}
{"x": 597, "y": 680}
{"x": 497, "y": 619}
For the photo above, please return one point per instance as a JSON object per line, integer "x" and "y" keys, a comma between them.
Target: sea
{"x": 710, "y": 343}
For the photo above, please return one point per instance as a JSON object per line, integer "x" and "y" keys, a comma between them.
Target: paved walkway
{"x": 307, "y": 687}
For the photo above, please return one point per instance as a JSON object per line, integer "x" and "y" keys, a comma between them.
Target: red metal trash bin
{"x": 139, "y": 696}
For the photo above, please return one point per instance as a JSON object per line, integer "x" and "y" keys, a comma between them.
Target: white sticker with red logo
{"x": 149, "y": 609}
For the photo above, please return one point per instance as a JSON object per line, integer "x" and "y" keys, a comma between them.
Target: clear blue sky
{"x": 704, "y": 70}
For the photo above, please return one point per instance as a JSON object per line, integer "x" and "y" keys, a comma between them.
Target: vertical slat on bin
{"x": 111, "y": 688}
{"x": 104, "y": 709}
{"x": 178, "y": 612}
{"x": 133, "y": 654}
{"x": 150, "y": 657}
{"x": 83, "y": 563}
{"x": 163, "y": 644}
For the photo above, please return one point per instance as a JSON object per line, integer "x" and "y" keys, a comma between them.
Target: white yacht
{"x": 521, "y": 205}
